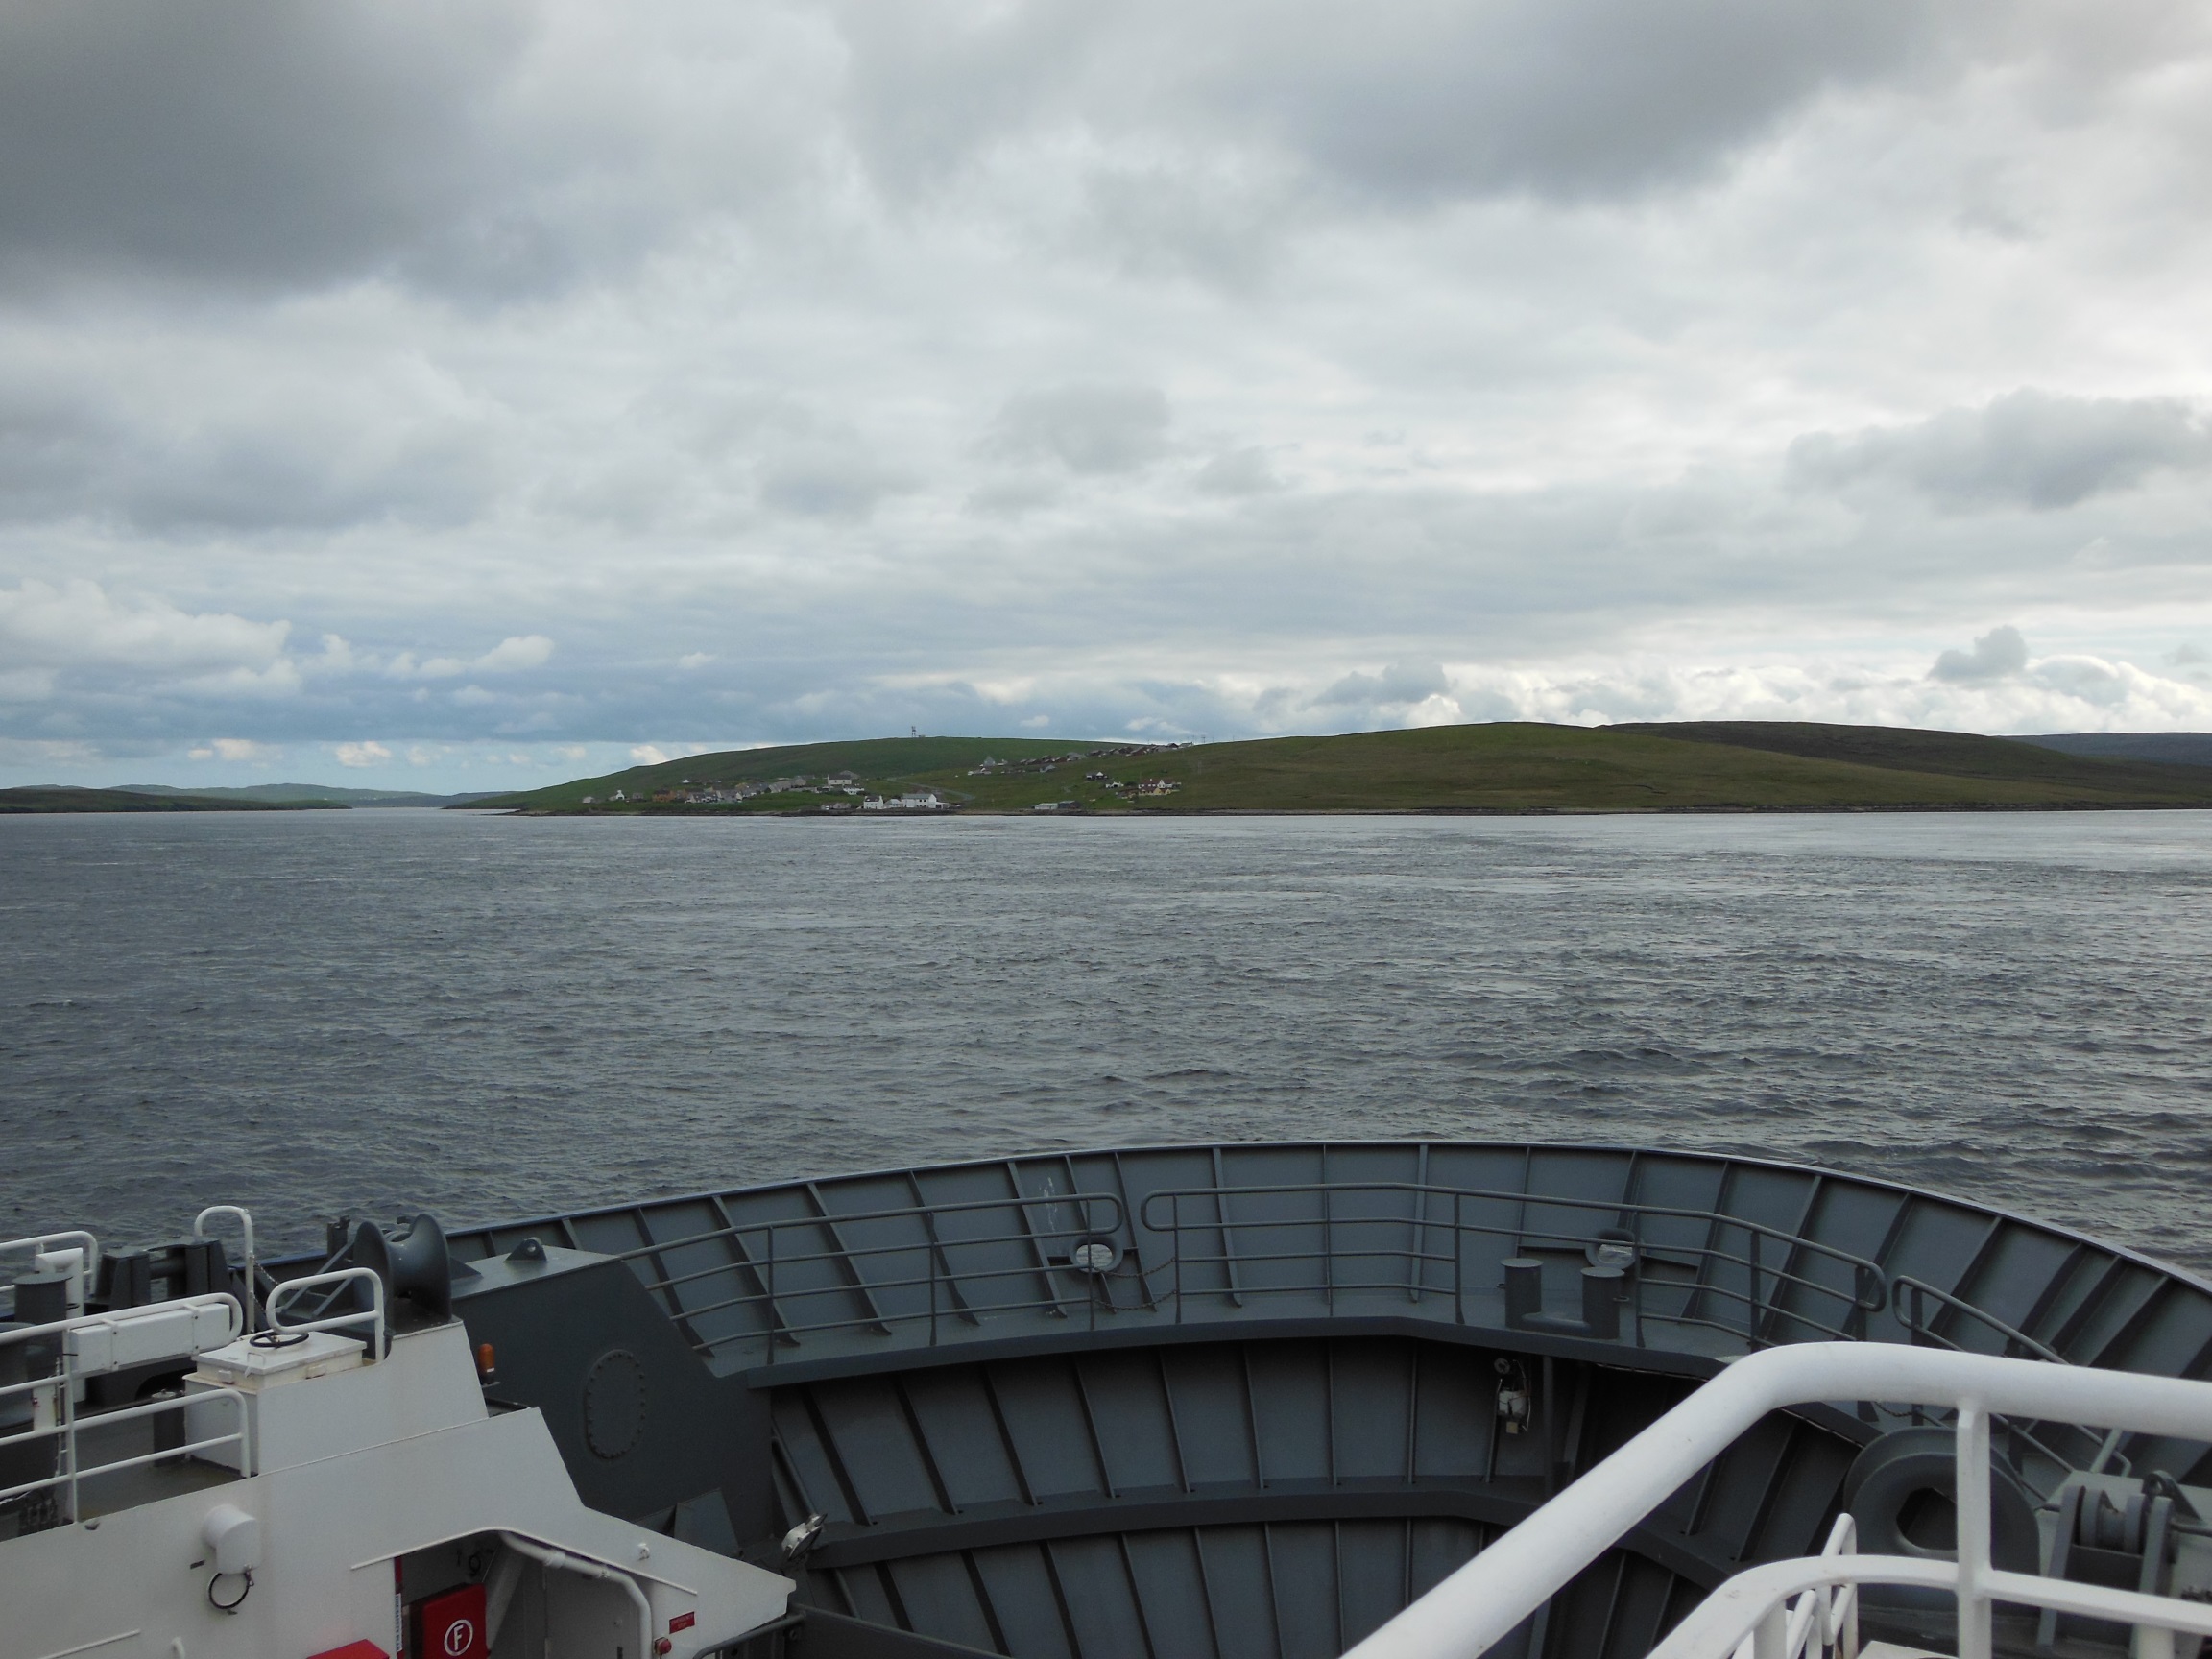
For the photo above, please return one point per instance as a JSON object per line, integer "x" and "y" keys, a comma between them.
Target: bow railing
{"x": 1484, "y": 1601}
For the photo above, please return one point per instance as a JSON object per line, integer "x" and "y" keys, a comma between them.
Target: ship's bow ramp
{"x": 1252, "y": 1400}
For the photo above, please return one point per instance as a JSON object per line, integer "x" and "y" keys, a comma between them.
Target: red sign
{"x": 354, "y": 1651}
{"x": 682, "y": 1621}
{"x": 451, "y": 1625}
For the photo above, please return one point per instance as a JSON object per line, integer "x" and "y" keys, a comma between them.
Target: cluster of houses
{"x": 854, "y": 796}
{"x": 1042, "y": 764}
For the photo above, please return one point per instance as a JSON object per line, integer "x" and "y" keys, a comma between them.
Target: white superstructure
{"x": 332, "y": 1491}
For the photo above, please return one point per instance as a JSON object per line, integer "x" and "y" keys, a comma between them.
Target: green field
{"x": 1506, "y": 767}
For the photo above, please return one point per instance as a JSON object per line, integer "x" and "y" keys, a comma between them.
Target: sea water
{"x": 491, "y": 1016}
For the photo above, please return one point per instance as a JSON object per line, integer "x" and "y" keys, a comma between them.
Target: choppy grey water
{"x": 491, "y": 1016}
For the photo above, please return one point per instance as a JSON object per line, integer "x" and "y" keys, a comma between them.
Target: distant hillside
{"x": 875, "y": 760}
{"x": 1956, "y": 753}
{"x": 310, "y": 794}
{"x": 2182, "y": 748}
{"x": 1506, "y": 767}
{"x": 62, "y": 798}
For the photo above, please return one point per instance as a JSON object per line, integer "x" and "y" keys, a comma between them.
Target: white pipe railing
{"x": 74, "y": 1237}
{"x": 1483, "y": 1602}
{"x": 562, "y": 1561}
{"x": 245, "y": 1222}
{"x": 290, "y": 1289}
{"x": 94, "y": 1344}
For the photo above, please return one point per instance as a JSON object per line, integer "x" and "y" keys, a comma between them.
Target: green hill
{"x": 880, "y": 763}
{"x": 1505, "y": 767}
{"x": 309, "y": 795}
{"x": 59, "y": 797}
{"x": 1957, "y": 753}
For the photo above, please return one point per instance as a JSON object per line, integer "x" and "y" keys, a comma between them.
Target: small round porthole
{"x": 1094, "y": 1255}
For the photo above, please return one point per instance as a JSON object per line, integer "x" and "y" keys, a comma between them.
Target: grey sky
{"x": 467, "y": 396}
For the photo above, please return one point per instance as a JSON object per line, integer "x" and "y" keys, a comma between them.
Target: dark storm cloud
{"x": 2027, "y": 448}
{"x": 1421, "y": 100}
{"x": 1573, "y": 98}
{"x": 485, "y": 154}
{"x": 257, "y": 142}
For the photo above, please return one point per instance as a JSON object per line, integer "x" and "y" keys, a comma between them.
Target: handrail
{"x": 54, "y": 1414}
{"x": 1483, "y": 1602}
{"x": 566, "y": 1561}
{"x": 1916, "y": 1289}
{"x": 1869, "y": 1290}
{"x": 246, "y": 1224}
{"x": 75, "y": 1475}
{"x": 37, "y": 1241}
{"x": 1096, "y": 1213}
{"x": 373, "y": 1314}
{"x": 1871, "y": 1270}
{"x": 844, "y": 1218}
{"x": 1745, "y": 1606}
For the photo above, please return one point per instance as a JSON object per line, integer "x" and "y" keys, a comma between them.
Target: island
{"x": 1504, "y": 767}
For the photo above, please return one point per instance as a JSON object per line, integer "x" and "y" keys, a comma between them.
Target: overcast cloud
{"x": 450, "y": 397}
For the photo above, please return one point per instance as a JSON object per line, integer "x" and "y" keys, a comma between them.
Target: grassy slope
{"x": 1495, "y": 768}
{"x": 58, "y": 799}
{"x": 2185, "y": 748}
{"x": 1959, "y": 753}
{"x": 1518, "y": 768}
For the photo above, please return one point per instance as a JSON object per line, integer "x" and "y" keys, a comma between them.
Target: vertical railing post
{"x": 1329, "y": 1248}
{"x": 1973, "y": 1507}
{"x": 1459, "y": 1262}
{"x": 1751, "y": 1304}
{"x": 1175, "y": 1232}
{"x": 69, "y": 1429}
{"x": 1636, "y": 1279}
{"x": 932, "y": 1254}
{"x": 774, "y": 1315}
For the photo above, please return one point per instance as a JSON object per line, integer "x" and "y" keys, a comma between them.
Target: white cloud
{"x": 522, "y": 651}
{"x": 369, "y": 754}
{"x": 1998, "y": 653}
{"x": 237, "y": 749}
{"x": 77, "y": 624}
{"x": 509, "y": 655}
{"x": 649, "y": 755}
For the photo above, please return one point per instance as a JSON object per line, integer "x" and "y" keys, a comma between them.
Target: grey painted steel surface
{"x": 1244, "y": 1399}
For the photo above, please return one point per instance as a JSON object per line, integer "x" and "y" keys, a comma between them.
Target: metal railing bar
{"x": 1920, "y": 1327}
{"x": 1029, "y": 1230}
{"x": 742, "y": 1264}
{"x": 941, "y": 1258}
{"x": 1486, "y": 1599}
{"x": 1831, "y": 1252}
{"x": 68, "y": 1429}
{"x": 830, "y": 1227}
{"x": 1221, "y": 1219}
{"x": 840, "y": 1251}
